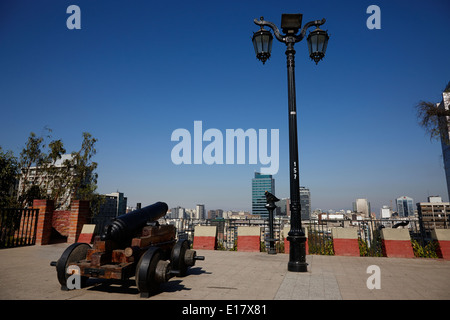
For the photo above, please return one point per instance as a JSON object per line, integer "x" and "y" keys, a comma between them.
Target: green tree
{"x": 46, "y": 176}
{"x": 9, "y": 168}
{"x": 56, "y": 177}
{"x": 434, "y": 118}
{"x": 31, "y": 156}
{"x": 84, "y": 182}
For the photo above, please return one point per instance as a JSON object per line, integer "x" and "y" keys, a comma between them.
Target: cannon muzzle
{"x": 124, "y": 227}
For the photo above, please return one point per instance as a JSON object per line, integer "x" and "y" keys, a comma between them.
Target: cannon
{"x": 132, "y": 245}
{"x": 400, "y": 224}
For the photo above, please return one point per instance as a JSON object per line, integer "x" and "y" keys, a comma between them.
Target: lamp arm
{"x": 261, "y": 22}
{"x": 308, "y": 25}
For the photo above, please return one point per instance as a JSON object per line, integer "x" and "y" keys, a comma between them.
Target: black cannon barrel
{"x": 124, "y": 227}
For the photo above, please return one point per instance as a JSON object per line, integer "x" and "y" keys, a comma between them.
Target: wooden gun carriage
{"x": 133, "y": 245}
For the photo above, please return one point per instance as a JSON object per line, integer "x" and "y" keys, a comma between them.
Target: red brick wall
{"x": 205, "y": 237}
{"x": 346, "y": 247}
{"x": 287, "y": 244}
{"x": 61, "y": 221}
{"x": 68, "y": 223}
{"x": 203, "y": 242}
{"x": 443, "y": 250}
{"x": 249, "y": 243}
{"x": 79, "y": 215}
{"x": 397, "y": 249}
{"x": 396, "y": 243}
{"x": 44, "y": 224}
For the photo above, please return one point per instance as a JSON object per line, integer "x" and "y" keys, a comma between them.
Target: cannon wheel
{"x": 178, "y": 254}
{"x": 73, "y": 253}
{"x": 145, "y": 272}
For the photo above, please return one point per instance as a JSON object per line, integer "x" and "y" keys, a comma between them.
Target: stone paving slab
{"x": 25, "y": 273}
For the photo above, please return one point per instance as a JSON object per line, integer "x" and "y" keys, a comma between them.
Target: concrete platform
{"x": 25, "y": 273}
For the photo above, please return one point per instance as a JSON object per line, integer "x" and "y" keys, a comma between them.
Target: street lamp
{"x": 262, "y": 41}
{"x": 317, "y": 45}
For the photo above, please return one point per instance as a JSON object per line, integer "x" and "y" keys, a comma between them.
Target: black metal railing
{"x": 227, "y": 230}
{"x": 319, "y": 236}
{"x": 369, "y": 235}
{"x": 18, "y": 227}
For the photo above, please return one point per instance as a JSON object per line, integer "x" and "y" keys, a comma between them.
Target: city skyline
{"x": 133, "y": 74}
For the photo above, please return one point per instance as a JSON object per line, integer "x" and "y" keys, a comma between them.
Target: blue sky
{"x": 138, "y": 70}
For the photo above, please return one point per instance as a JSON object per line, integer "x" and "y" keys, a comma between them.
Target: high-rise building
{"x": 177, "y": 213}
{"x": 385, "y": 212}
{"x": 119, "y": 201}
{"x": 362, "y": 206}
{"x": 405, "y": 207}
{"x": 434, "y": 214}
{"x": 114, "y": 205}
{"x": 305, "y": 203}
{"x": 214, "y": 214}
{"x": 201, "y": 212}
{"x": 260, "y": 184}
{"x": 283, "y": 204}
{"x": 445, "y": 134}
{"x": 211, "y": 214}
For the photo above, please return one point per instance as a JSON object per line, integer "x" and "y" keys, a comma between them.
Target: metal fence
{"x": 318, "y": 232}
{"x": 369, "y": 235}
{"x": 18, "y": 227}
{"x": 227, "y": 230}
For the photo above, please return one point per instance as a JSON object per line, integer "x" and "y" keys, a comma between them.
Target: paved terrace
{"x": 25, "y": 273}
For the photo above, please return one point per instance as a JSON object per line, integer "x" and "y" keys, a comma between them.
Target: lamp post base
{"x": 297, "y": 266}
{"x": 297, "y": 253}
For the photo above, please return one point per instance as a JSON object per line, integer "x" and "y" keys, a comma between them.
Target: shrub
{"x": 428, "y": 251}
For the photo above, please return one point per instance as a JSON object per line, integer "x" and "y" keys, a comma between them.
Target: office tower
{"x": 219, "y": 213}
{"x": 362, "y": 206}
{"x": 405, "y": 207}
{"x": 260, "y": 184}
{"x": 200, "y": 212}
{"x": 120, "y": 202}
{"x": 177, "y": 213}
{"x": 211, "y": 214}
{"x": 305, "y": 203}
{"x": 434, "y": 214}
{"x": 283, "y": 204}
{"x": 114, "y": 205}
{"x": 181, "y": 213}
{"x": 172, "y": 214}
{"x": 214, "y": 214}
{"x": 445, "y": 133}
{"x": 385, "y": 212}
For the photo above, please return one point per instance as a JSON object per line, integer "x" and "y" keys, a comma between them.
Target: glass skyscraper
{"x": 405, "y": 207}
{"x": 260, "y": 184}
{"x": 444, "y": 129}
{"x": 305, "y": 203}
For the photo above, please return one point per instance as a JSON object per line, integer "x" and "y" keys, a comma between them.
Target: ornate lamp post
{"x": 317, "y": 44}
